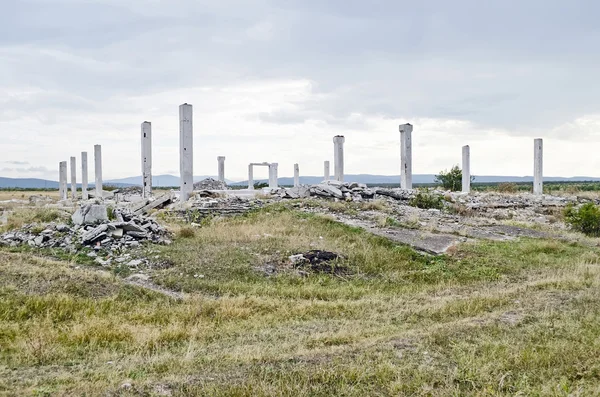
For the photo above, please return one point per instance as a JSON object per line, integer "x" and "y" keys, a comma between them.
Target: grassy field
{"x": 492, "y": 319}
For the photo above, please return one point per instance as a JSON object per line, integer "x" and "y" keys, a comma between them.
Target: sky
{"x": 275, "y": 80}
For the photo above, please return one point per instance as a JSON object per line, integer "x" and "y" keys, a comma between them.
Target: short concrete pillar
{"x": 62, "y": 180}
{"x": 538, "y": 166}
{"x": 84, "y": 176}
{"x": 326, "y": 170}
{"x": 221, "y": 170}
{"x": 296, "y": 175}
{"x": 73, "y": 178}
{"x": 186, "y": 151}
{"x": 406, "y": 156}
{"x": 251, "y": 177}
{"x": 146, "y": 139}
{"x": 98, "y": 170}
{"x": 338, "y": 157}
{"x": 466, "y": 169}
{"x": 273, "y": 175}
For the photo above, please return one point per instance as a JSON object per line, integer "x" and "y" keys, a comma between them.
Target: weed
{"x": 426, "y": 200}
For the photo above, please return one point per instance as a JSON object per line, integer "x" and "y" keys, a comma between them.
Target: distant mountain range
{"x": 171, "y": 180}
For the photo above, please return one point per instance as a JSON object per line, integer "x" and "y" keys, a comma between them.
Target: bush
{"x": 586, "y": 219}
{"x": 426, "y": 200}
{"x": 451, "y": 180}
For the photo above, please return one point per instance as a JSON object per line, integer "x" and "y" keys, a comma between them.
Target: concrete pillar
{"x": 466, "y": 169}
{"x": 62, "y": 180}
{"x": 296, "y": 175}
{"x": 538, "y": 166}
{"x": 84, "y": 176}
{"x": 338, "y": 157}
{"x": 98, "y": 170}
{"x": 326, "y": 170}
{"x": 221, "y": 160}
{"x": 273, "y": 176}
{"x": 406, "y": 156}
{"x": 73, "y": 178}
{"x": 186, "y": 151}
{"x": 146, "y": 136}
{"x": 251, "y": 177}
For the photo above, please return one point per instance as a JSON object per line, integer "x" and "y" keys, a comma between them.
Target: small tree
{"x": 451, "y": 180}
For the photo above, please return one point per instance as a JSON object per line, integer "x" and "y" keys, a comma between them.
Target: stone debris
{"x": 100, "y": 234}
{"x": 319, "y": 261}
{"x": 90, "y": 214}
{"x": 199, "y": 207}
{"x": 210, "y": 184}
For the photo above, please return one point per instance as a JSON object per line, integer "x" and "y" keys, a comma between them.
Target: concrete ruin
{"x": 84, "y": 176}
{"x": 62, "y": 180}
{"x": 326, "y": 176}
{"x": 466, "y": 169}
{"x": 221, "y": 168}
{"x": 406, "y": 156}
{"x": 98, "y": 169}
{"x": 73, "y": 178}
{"x": 296, "y": 175}
{"x": 146, "y": 137}
{"x": 338, "y": 157}
{"x": 273, "y": 175}
{"x": 186, "y": 151}
{"x": 538, "y": 167}
{"x": 251, "y": 173}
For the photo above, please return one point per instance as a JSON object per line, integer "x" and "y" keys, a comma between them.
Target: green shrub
{"x": 586, "y": 219}
{"x": 426, "y": 200}
{"x": 451, "y": 180}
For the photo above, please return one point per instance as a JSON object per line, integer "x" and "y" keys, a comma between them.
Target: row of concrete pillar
{"x": 62, "y": 175}
{"x": 186, "y": 133}
{"x": 406, "y": 162}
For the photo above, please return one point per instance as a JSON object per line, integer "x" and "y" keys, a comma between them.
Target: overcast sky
{"x": 275, "y": 80}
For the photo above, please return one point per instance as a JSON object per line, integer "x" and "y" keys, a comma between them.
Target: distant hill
{"x": 27, "y": 183}
{"x": 171, "y": 180}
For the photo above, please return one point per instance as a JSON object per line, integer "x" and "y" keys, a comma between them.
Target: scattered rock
{"x": 210, "y": 184}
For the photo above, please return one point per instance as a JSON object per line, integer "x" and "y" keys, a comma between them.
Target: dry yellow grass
{"x": 518, "y": 318}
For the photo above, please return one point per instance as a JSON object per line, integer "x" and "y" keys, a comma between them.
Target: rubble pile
{"x": 330, "y": 189}
{"x": 201, "y": 207}
{"x": 91, "y": 228}
{"x": 210, "y": 184}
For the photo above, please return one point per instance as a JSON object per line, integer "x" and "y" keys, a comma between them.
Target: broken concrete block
{"x": 90, "y": 214}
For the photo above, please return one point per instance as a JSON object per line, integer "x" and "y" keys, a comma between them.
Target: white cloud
{"x": 275, "y": 81}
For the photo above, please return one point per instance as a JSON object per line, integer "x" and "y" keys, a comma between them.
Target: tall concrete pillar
{"x": 62, "y": 180}
{"x": 338, "y": 157}
{"x": 146, "y": 137}
{"x": 406, "y": 156}
{"x": 466, "y": 169}
{"x": 221, "y": 160}
{"x": 538, "y": 166}
{"x": 73, "y": 178}
{"x": 98, "y": 170}
{"x": 251, "y": 177}
{"x": 296, "y": 175}
{"x": 273, "y": 175}
{"x": 84, "y": 176}
{"x": 326, "y": 170}
{"x": 186, "y": 151}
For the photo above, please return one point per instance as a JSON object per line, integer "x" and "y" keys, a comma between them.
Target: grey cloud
{"x": 501, "y": 64}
